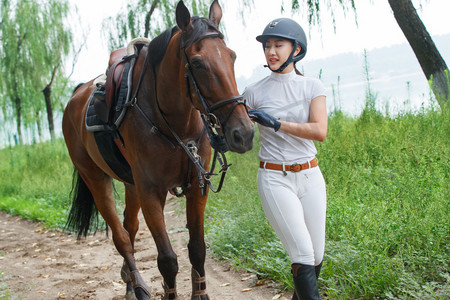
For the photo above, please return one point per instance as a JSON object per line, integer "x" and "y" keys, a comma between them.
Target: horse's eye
{"x": 197, "y": 63}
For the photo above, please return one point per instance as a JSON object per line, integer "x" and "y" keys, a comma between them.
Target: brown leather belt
{"x": 293, "y": 168}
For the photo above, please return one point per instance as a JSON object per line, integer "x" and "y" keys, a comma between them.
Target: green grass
{"x": 36, "y": 182}
{"x": 387, "y": 218}
{"x": 388, "y": 210}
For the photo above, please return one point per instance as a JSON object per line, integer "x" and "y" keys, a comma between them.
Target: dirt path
{"x": 40, "y": 264}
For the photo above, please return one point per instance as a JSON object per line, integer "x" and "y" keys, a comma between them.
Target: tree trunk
{"x": 18, "y": 105}
{"x": 431, "y": 61}
{"x": 51, "y": 126}
{"x": 48, "y": 103}
{"x": 39, "y": 128}
{"x": 148, "y": 16}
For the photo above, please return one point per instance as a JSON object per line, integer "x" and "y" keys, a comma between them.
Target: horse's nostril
{"x": 237, "y": 138}
{"x": 240, "y": 140}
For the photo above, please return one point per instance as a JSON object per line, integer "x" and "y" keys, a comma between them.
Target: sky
{"x": 376, "y": 28}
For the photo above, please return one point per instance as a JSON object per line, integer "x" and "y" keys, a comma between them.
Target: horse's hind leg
{"x": 123, "y": 240}
{"x": 101, "y": 188}
{"x": 195, "y": 210}
{"x": 131, "y": 225}
{"x": 106, "y": 205}
{"x": 153, "y": 211}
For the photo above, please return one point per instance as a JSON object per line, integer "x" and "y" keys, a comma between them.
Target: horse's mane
{"x": 158, "y": 46}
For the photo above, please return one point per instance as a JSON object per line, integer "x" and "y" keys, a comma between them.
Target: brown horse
{"x": 183, "y": 82}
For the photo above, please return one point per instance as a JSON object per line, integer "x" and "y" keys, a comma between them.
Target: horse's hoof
{"x": 130, "y": 292}
{"x": 202, "y": 297}
{"x": 130, "y": 295}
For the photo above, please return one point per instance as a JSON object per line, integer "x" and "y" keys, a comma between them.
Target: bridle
{"x": 212, "y": 125}
{"x": 207, "y": 108}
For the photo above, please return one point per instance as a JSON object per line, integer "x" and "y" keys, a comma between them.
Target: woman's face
{"x": 277, "y": 51}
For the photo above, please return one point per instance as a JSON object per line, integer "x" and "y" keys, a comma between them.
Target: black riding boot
{"x": 305, "y": 282}
{"x": 317, "y": 270}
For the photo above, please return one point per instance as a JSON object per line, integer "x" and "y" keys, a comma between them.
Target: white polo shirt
{"x": 286, "y": 97}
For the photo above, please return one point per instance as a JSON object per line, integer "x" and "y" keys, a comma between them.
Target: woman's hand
{"x": 264, "y": 119}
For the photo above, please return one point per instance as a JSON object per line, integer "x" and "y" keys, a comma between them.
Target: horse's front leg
{"x": 195, "y": 210}
{"x": 153, "y": 210}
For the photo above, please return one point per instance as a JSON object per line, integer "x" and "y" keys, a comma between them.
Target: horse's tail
{"x": 84, "y": 213}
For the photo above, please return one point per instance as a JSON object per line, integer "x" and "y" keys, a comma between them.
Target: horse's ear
{"x": 215, "y": 13}
{"x": 183, "y": 16}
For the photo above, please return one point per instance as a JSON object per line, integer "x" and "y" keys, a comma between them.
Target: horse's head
{"x": 210, "y": 82}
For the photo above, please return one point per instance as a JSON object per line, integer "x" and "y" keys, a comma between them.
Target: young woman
{"x": 292, "y": 111}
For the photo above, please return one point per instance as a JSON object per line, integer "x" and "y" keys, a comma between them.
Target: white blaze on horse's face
{"x": 219, "y": 52}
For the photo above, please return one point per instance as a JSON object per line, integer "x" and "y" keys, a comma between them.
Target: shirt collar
{"x": 282, "y": 77}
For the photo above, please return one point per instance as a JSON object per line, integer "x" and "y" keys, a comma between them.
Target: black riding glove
{"x": 218, "y": 143}
{"x": 264, "y": 119}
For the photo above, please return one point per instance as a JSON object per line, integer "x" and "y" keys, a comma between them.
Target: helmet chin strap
{"x": 286, "y": 63}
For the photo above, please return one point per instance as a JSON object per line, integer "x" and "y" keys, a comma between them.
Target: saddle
{"x": 113, "y": 89}
{"x": 107, "y": 107}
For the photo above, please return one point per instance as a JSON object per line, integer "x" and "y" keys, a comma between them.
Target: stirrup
{"x": 100, "y": 95}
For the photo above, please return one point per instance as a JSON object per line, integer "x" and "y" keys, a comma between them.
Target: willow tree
{"x": 59, "y": 36}
{"x": 146, "y": 18}
{"x": 34, "y": 42}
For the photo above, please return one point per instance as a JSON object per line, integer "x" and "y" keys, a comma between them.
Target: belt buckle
{"x": 296, "y": 167}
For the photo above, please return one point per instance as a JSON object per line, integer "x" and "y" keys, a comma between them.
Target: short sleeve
{"x": 317, "y": 89}
{"x": 249, "y": 98}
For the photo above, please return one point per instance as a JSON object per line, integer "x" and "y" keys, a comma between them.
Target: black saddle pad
{"x": 112, "y": 155}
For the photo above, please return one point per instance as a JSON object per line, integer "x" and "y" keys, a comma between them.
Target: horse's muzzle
{"x": 240, "y": 138}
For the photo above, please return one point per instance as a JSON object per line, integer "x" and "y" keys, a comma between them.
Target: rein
{"x": 210, "y": 121}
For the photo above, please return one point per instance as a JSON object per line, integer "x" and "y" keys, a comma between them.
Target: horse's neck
{"x": 179, "y": 112}
{"x": 165, "y": 102}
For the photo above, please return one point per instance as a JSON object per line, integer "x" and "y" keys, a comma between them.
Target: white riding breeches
{"x": 295, "y": 206}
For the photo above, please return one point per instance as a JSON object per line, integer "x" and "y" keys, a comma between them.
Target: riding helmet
{"x": 288, "y": 29}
